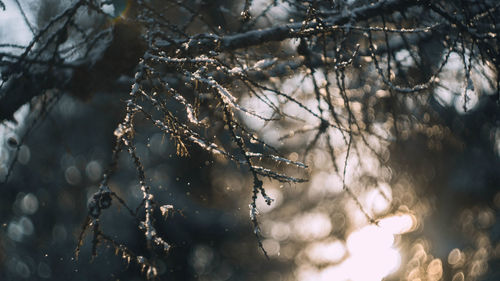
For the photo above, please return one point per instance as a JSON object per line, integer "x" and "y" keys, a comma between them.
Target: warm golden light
{"x": 369, "y": 253}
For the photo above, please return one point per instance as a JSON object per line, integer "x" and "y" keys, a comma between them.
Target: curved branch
{"x": 205, "y": 43}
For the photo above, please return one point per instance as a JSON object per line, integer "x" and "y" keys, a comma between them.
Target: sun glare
{"x": 370, "y": 253}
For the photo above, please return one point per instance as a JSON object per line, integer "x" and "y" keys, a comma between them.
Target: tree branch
{"x": 204, "y": 43}
{"x": 21, "y": 89}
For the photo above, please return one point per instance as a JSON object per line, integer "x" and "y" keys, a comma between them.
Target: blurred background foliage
{"x": 399, "y": 130}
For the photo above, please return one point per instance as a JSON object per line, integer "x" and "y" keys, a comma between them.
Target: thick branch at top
{"x": 205, "y": 43}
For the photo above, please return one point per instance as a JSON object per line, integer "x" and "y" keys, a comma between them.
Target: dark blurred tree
{"x": 220, "y": 101}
